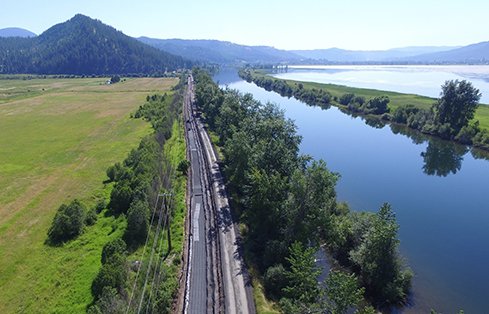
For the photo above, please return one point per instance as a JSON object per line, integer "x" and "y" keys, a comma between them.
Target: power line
{"x": 142, "y": 256}
{"x": 157, "y": 269}
{"x": 155, "y": 241}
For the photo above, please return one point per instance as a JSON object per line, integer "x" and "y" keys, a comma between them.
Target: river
{"x": 437, "y": 189}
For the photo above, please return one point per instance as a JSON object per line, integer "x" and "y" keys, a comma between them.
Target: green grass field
{"x": 396, "y": 99}
{"x": 58, "y": 137}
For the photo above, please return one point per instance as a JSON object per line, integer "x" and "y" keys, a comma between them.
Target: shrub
{"x": 378, "y": 105}
{"x": 91, "y": 217}
{"x": 359, "y": 100}
{"x": 401, "y": 114}
{"x": 482, "y": 139}
{"x": 109, "y": 302}
{"x": 467, "y": 133}
{"x": 115, "y": 79}
{"x": 112, "y": 248}
{"x": 116, "y": 172}
{"x": 67, "y": 223}
{"x": 183, "y": 166}
{"x": 101, "y": 205}
{"x": 112, "y": 274}
{"x": 347, "y": 98}
{"x": 275, "y": 280}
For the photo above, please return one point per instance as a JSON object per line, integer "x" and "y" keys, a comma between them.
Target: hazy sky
{"x": 285, "y": 24}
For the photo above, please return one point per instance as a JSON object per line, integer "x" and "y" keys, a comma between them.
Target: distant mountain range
{"x": 476, "y": 53}
{"x": 341, "y": 55}
{"x": 84, "y": 46}
{"x": 221, "y": 52}
{"x": 16, "y": 32}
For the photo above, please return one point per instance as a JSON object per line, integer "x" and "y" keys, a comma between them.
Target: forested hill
{"x": 221, "y": 52}
{"x": 84, "y": 46}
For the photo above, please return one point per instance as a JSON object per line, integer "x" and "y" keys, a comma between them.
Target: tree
{"x": 137, "y": 223}
{"x": 457, "y": 104}
{"x": 378, "y": 261}
{"x": 121, "y": 197}
{"x": 342, "y": 291}
{"x": 68, "y": 222}
{"x": 378, "y": 105}
{"x": 302, "y": 277}
{"x": 312, "y": 199}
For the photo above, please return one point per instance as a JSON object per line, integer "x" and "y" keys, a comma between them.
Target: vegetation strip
{"x": 54, "y": 147}
{"x": 287, "y": 206}
{"x": 146, "y": 176}
{"x": 455, "y": 116}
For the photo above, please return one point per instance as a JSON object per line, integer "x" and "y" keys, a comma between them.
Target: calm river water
{"x": 438, "y": 190}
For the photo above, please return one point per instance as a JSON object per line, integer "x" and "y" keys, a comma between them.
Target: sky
{"x": 283, "y": 24}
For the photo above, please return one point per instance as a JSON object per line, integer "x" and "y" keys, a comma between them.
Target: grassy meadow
{"x": 57, "y": 138}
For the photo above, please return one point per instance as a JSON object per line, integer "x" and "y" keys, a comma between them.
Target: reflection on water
{"x": 441, "y": 159}
{"x": 437, "y": 188}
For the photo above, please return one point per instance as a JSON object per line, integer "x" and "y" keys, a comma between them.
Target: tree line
{"x": 451, "y": 117}
{"x": 287, "y": 202}
{"x": 136, "y": 181}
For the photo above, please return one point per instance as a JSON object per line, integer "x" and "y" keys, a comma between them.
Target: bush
{"x": 359, "y": 100}
{"x": 112, "y": 248}
{"x": 482, "y": 139}
{"x": 183, "y": 166}
{"x": 275, "y": 280}
{"x": 91, "y": 217}
{"x": 112, "y": 274}
{"x": 401, "y": 114}
{"x": 378, "y": 105}
{"x": 68, "y": 222}
{"x": 467, "y": 133}
{"x": 115, "y": 79}
{"x": 101, "y": 205}
{"x": 109, "y": 302}
{"x": 347, "y": 98}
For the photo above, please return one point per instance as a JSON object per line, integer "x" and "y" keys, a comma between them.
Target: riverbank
{"x": 435, "y": 186}
{"x": 325, "y": 95}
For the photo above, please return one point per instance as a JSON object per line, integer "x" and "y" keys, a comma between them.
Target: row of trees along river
{"x": 287, "y": 204}
{"x": 436, "y": 188}
{"x": 449, "y": 118}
